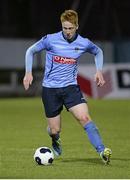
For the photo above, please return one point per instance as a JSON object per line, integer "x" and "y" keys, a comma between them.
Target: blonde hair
{"x": 71, "y": 16}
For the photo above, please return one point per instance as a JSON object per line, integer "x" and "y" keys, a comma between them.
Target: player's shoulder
{"x": 49, "y": 38}
{"x": 51, "y": 35}
{"x": 54, "y": 35}
{"x": 85, "y": 39}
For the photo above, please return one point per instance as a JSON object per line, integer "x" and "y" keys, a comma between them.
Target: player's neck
{"x": 72, "y": 39}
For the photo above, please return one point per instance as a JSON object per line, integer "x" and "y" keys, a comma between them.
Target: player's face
{"x": 69, "y": 29}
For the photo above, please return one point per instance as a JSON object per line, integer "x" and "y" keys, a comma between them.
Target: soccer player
{"x": 59, "y": 86}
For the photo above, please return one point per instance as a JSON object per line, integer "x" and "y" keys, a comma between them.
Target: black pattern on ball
{"x": 44, "y": 150}
{"x": 38, "y": 160}
{"x": 50, "y": 160}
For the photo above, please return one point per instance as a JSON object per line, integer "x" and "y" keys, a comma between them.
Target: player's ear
{"x": 77, "y": 27}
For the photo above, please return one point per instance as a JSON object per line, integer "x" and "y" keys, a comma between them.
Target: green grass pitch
{"x": 23, "y": 129}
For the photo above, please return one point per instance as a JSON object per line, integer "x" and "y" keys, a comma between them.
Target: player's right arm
{"x": 38, "y": 46}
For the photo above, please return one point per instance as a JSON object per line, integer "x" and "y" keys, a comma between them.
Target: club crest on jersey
{"x": 76, "y": 49}
{"x": 64, "y": 60}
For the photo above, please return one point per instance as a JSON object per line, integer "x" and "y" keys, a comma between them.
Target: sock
{"x": 94, "y": 136}
{"x": 55, "y": 137}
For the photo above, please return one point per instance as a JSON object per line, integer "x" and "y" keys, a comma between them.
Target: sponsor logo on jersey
{"x": 64, "y": 60}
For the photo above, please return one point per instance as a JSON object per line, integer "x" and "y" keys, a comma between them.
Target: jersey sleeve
{"x": 38, "y": 46}
{"x": 98, "y": 54}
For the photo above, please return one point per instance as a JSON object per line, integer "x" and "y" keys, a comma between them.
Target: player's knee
{"x": 84, "y": 119}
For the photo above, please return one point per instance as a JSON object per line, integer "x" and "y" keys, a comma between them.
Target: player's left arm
{"x": 98, "y": 78}
{"x": 98, "y": 56}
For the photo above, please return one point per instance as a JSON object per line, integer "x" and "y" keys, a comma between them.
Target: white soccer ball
{"x": 44, "y": 156}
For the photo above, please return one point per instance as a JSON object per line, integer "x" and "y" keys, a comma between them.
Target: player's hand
{"x": 27, "y": 80}
{"x": 98, "y": 78}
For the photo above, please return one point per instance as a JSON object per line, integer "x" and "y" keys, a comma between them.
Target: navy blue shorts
{"x": 55, "y": 98}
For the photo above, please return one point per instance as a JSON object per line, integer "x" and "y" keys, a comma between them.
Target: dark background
{"x": 98, "y": 19}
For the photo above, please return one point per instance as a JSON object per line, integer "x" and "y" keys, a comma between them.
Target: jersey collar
{"x": 72, "y": 39}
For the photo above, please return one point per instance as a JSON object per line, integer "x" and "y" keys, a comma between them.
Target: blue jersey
{"x": 62, "y": 58}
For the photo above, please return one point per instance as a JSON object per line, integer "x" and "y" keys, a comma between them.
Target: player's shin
{"x": 94, "y": 136}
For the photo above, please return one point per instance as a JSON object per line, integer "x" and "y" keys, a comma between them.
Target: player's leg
{"x": 81, "y": 113}
{"x": 76, "y": 104}
{"x": 53, "y": 107}
{"x": 54, "y": 128}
